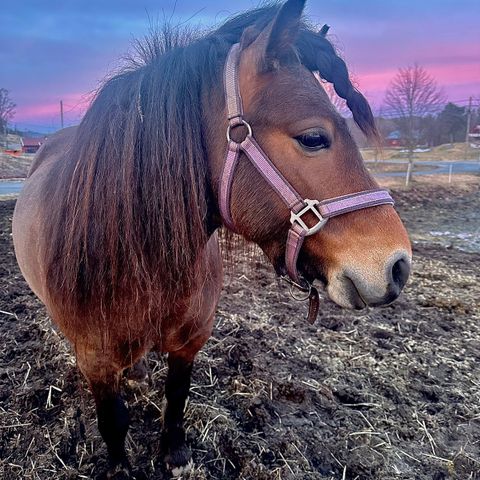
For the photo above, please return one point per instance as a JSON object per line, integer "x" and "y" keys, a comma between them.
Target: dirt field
{"x": 387, "y": 394}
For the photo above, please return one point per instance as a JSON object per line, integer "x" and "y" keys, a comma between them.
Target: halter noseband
{"x": 298, "y": 206}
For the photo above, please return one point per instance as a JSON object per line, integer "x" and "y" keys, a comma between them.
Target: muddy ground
{"x": 392, "y": 393}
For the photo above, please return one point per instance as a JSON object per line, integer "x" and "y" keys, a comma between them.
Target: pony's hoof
{"x": 179, "y": 461}
{"x": 119, "y": 471}
{"x": 179, "y": 471}
{"x": 118, "y": 474}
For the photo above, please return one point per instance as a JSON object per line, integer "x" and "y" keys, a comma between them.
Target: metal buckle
{"x": 309, "y": 207}
{"x": 241, "y": 123}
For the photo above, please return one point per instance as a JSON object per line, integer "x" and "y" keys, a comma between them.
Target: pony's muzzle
{"x": 374, "y": 287}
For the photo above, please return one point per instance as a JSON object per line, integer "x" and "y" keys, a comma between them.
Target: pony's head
{"x": 363, "y": 256}
{"x": 139, "y": 186}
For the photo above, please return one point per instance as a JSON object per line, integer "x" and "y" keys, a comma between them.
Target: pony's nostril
{"x": 400, "y": 272}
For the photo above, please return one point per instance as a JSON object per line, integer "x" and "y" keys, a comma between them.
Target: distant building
{"x": 11, "y": 144}
{"x": 394, "y": 139}
{"x": 31, "y": 145}
{"x": 13, "y": 148}
{"x": 475, "y": 131}
{"x": 474, "y": 136}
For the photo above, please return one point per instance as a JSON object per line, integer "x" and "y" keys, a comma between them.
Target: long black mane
{"x": 134, "y": 186}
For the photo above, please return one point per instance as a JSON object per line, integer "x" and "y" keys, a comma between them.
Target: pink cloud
{"x": 48, "y": 111}
{"x": 36, "y": 111}
{"x": 458, "y": 81}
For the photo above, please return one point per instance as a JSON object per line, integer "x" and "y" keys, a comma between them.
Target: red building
{"x": 31, "y": 145}
{"x": 394, "y": 139}
{"x": 474, "y": 136}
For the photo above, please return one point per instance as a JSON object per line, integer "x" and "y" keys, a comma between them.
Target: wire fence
{"x": 407, "y": 172}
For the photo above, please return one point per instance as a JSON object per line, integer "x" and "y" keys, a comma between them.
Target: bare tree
{"x": 7, "y": 109}
{"x": 412, "y": 94}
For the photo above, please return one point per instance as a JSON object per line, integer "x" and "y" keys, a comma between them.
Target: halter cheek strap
{"x": 298, "y": 206}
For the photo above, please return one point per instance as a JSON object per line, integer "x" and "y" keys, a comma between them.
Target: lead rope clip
{"x": 311, "y": 295}
{"x": 305, "y": 288}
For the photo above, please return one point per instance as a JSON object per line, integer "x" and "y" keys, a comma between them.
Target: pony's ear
{"x": 275, "y": 44}
{"x": 284, "y": 30}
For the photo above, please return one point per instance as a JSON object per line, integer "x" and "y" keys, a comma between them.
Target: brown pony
{"x": 116, "y": 227}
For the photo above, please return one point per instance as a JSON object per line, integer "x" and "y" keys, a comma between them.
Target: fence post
{"x": 409, "y": 173}
{"x": 450, "y": 168}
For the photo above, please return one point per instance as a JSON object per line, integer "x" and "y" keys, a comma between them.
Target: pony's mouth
{"x": 357, "y": 295}
{"x": 344, "y": 293}
{"x": 340, "y": 288}
{"x": 353, "y": 296}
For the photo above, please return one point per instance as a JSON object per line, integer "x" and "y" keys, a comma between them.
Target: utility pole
{"x": 61, "y": 112}
{"x": 469, "y": 119}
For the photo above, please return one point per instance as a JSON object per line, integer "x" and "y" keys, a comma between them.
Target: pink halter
{"x": 297, "y": 205}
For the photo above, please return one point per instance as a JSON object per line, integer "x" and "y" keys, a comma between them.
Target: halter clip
{"x": 310, "y": 206}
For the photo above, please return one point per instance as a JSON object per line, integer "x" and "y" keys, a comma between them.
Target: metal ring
{"x": 245, "y": 124}
{"x": 300, "y": 298}
{"x": 307, "y": 288}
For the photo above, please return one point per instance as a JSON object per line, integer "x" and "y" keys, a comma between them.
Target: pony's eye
{"x": 313, "y": 141}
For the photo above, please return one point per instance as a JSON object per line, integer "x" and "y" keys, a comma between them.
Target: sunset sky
{"x": 52, "y": 50}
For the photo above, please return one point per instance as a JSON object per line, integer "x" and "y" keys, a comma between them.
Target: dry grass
{"x": 446, "y": 152}
{"x": 14, "y": 166}
{"x": 457, "y": 184}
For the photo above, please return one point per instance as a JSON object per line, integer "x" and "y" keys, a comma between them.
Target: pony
{"x": 116, "y": 228}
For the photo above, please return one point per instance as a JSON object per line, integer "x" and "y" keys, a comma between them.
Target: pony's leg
{"x": 177, "y": 387}
{"x": 113, "y": 422}
{"x": 197, "y": 326}
{"x": 112, "y": 414}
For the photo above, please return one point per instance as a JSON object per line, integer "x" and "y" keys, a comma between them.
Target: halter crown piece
{"x": 298, "y": 206}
